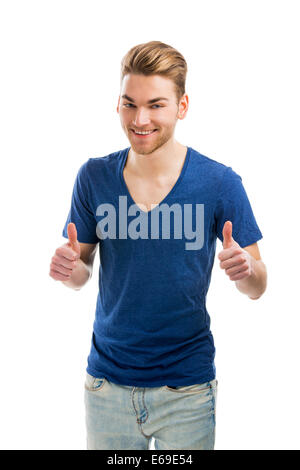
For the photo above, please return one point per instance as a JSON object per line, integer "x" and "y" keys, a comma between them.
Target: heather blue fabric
{"x": 151, "y": 324}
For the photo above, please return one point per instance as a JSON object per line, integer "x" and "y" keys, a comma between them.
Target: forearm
{"x": 254, "y": 285}
{"x": 80, "y": 276}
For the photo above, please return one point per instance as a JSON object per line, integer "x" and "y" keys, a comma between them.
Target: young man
{"x": 155, "y": 210}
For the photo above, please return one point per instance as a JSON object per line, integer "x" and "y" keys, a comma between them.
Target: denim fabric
{"x": 123, "y": 417}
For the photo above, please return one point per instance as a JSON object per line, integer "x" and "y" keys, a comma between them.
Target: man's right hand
{"x": 66, "y": 257}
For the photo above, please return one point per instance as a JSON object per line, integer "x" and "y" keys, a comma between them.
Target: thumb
{"x": 72, "y": 235}
{"x": 227, "y": 235}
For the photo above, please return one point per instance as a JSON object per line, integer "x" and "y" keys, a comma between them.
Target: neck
{"x": 165, "y": 160}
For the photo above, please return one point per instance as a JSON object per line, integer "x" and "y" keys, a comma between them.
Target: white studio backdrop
{"x": 60, "y": 64}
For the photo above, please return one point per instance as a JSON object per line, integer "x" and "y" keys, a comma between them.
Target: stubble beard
{"x": 148, "y": 150}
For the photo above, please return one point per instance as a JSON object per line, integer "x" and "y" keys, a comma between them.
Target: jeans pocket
{"x": 94, "y": 384}
{"x": 195, "y": 388}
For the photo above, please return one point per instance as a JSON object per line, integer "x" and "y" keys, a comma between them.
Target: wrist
{"x": 80, "y": 275}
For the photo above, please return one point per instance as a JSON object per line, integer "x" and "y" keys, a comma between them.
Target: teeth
{"x": 143, "y": 133}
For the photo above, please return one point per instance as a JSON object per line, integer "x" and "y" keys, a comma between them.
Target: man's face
{"x": 137, "y": 113}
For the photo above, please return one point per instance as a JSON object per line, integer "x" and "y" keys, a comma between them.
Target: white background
{"x": 60, "y": 64}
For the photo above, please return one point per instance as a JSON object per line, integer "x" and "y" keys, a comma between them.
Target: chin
{"x": 143, "y": 151}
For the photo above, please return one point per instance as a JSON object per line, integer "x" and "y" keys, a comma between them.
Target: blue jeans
{"x": 125, "y": 417}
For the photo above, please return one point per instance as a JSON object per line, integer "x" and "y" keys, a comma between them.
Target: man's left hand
{"x": 236, "y": 261}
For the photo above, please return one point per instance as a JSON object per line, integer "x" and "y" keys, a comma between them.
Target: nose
{"x": 141, "y": 118}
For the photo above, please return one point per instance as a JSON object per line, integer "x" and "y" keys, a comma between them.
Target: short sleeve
{"x": 80, "y": 212}
{"x": 233, "y": 204}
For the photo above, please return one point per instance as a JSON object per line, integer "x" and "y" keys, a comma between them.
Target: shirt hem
{"x": 211, "y": 375}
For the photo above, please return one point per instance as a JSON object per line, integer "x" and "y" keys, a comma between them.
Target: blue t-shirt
{"x": 151, "y": 324}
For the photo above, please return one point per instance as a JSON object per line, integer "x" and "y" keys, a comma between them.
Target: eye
{"x": 130, "y": 104}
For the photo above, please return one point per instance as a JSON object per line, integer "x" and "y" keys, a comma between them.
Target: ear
{"x": 183, "y": 106}
{"x": 118, "y": 105}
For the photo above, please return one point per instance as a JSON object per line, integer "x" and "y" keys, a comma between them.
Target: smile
{"x": 143, "y": 135}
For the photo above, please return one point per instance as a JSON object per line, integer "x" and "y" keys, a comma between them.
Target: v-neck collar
{"x": 123, "y": 182}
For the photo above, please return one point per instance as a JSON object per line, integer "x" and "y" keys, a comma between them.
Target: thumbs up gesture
{"x": 236, "y": 261}
{"x": 66, "y": 257}
{"x": 72, "y": 236}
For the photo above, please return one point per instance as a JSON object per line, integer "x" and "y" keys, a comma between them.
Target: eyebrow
{"x": 126, "y": 97}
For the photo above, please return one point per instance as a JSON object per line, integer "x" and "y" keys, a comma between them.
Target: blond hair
{"x": 156, "y": 58}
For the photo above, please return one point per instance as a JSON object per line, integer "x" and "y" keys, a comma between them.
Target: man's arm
{"x": 254, "y": 285}
{"x": 243, "y": 265}
{"x": 84, "y": 268}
